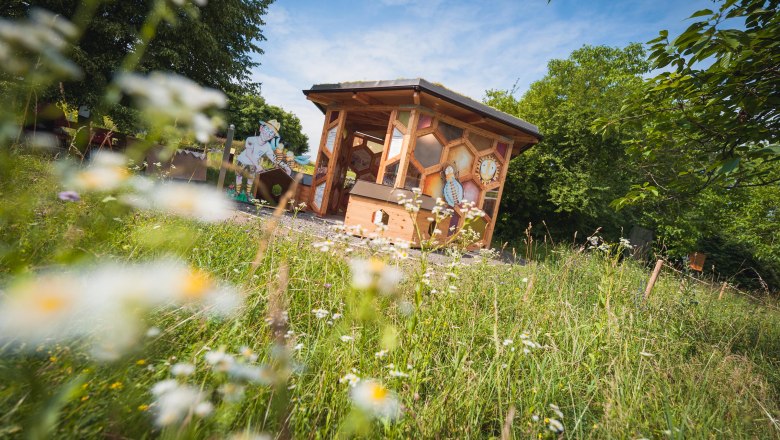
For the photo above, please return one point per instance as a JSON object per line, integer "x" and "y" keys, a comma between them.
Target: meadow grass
{"x": 681, "y": 364}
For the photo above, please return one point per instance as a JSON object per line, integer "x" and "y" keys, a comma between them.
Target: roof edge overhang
{"x": 421, "y": 85}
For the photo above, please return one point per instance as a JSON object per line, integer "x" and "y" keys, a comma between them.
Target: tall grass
{"x": 682, "y": 364}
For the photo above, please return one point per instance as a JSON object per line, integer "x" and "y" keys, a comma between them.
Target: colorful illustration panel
{"x": 487, "y": 169}
{"x": 433, "y": 186}
{"x": 462, "y": 158}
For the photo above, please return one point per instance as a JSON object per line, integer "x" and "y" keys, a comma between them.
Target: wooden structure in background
{"x": 696, "y": 261}
{"x": 405, "y": 134}
{"x": 184, "y": 165}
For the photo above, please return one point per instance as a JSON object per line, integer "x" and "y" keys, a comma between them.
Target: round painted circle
{"x": 488, "y": 170}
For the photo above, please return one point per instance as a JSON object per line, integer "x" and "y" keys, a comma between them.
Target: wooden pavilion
{"x": 392, "y": 136}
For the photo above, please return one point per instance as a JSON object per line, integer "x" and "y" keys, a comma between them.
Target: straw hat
{"x": 273, "y": 124}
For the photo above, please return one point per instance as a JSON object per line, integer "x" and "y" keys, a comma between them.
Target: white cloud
{"x": 467, "y": 47}
{"x": 277, "y": 21}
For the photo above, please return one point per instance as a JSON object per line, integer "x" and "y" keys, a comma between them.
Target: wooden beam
{"x": 473, "y": 119}
{"x": 416, "y": 97}
{"x": 319, "y": 100}
{"x": 365, "y": 99}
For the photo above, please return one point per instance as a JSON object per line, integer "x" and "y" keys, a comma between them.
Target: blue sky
{"x": 469, "y": 46}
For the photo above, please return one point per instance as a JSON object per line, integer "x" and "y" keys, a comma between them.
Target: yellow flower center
{"x": 378, "y": 393}
{"x": 50, "y": 303}
{"x": 377, "y": 265}
{"x": 196, "y": 284}
{"x": 184, "y": 204}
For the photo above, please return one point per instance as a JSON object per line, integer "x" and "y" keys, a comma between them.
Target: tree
{"x": 246, "y": 112}
{"x": 569, "y": 180}
{"x": 712, "y": 117}
{"x": 212, "y": 44}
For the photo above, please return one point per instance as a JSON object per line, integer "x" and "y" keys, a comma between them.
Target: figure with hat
{"x": 264, "y": 145}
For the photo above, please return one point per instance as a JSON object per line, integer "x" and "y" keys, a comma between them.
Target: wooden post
{"x": 722, "y": 289}
{"x": 658, "y": 265}
{"x": 226, "y": 157}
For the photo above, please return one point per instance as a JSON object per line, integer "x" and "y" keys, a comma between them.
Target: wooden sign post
{"x": 226, "y": 157}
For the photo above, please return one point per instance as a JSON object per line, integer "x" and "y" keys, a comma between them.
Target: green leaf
{"x": 701, "y": 13}
{"x": 729, "y": 166}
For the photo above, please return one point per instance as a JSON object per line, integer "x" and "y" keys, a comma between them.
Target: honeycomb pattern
{"x": 428, "y": 150}
{"x": 463, "y": 159}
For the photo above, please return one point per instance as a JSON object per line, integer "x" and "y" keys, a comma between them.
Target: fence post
{"x": 722, "y": 289}
{"x": 658, "y": 265}
{"x": 225, "y": 157}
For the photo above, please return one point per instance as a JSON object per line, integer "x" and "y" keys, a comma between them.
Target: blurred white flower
{"x": 556, "y": 410}
{"x": 376, "y": 400}
{"x": 380, "y": 354}
{"x": 232, "y": 392}
{"x": 320, "y": 313}
{"x": 323, "y": 246}
{"x": 507, "y": 342}
{"x": 398, "y": 373}
{"x": 248, "y": 435}
{"x": 183, "y": 199}
{"x": 203, "y": 409}
{"x": 350, "y": 378}
{"x": 182, "y": 369}
{"x": 52, "y": 306}
{"x": 346, "y": 338}
{"x": 164, "y": 386}
{"x": 42, "y": 39}
{"x": 248, "y": 354}
{"x": 167, "y": 98}
{"x": 375, "y": 274}
{"x": 219, "y": 360}
{"x": 174, "y": 402}
{"x": 555, "y": 426}
{"x": 250, "y": 373}
{"x": 107, "y": 171}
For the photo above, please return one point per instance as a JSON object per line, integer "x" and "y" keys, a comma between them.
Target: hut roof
{"x": 371, "y": 88}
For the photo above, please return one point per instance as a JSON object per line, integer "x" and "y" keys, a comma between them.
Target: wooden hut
{"x": 382, "y": 138}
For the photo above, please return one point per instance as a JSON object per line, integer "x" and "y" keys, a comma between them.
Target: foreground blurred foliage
{"x": 572, "y": 332}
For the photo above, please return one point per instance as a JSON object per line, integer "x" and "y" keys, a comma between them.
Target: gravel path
{"x": 321, "y": 227}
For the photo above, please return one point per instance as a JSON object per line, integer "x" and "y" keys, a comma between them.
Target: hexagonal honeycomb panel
{"x": 462, "y": 157}
{"x": 470, "y": 191}
{"x": 433, "y": 185}
{"x": 413, "y": 177}
{"x": 481, "y": 143}
{"x": 450, "y": 132}
{"x": 330, "y": 140}
{"x": 425, "y": 121}
{"x": 428, "y": 150}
